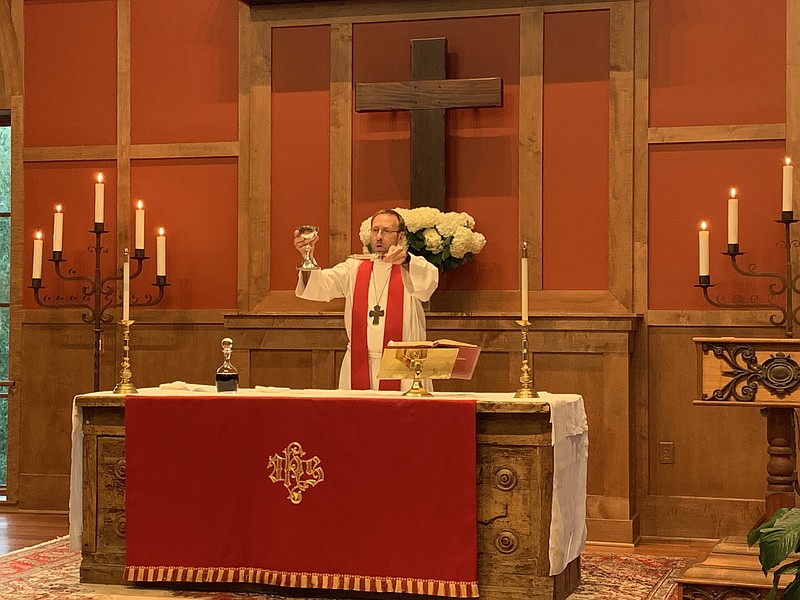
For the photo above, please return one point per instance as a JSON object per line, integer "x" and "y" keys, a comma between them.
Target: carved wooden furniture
{"x": 763, "y": 374}
{"x": 514, "y": 479}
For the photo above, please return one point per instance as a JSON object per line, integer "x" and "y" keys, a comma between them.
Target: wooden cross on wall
{"x": 427, "y": 96}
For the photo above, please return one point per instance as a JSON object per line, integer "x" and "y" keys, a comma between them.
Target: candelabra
{"x": 98, "y": 296}
{"x": 785, "y": 284}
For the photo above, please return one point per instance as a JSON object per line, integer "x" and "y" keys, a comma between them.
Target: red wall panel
{"x": 575, "y": 166}
{"x": 184, "y": 71}
{"x": 195, "y": 200}
{"x": 690, "y": 183}
{"x": 70, "y": 184}
{"x": 300, "y": 145}
{"x": 70, "y": 73}
{"x": 482, "y": 145}
{"x": 717, "y": 62}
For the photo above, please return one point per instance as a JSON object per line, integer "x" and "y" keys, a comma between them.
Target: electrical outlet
{"x": 666, "y": 453}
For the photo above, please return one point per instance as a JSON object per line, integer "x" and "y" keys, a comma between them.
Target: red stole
{"x": 392, "y": 330}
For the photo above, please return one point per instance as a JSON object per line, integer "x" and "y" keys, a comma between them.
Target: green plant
{"x": 777, "y": 539}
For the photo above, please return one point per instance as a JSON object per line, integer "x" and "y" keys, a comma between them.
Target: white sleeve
{"x": 326, "y": 284}
{"x": 422, "y": 278}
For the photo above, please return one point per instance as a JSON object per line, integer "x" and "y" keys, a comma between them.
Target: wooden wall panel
{"x": 184, "y": 71}
{"x": 10, "y": 57}
{"x": 281, "y": 368}
{"x": 195, "y": 201}
{"x": 677, "y": 204}
{"x": 170, "y": 352}
{"x": 58, "y": 364}
{"x": 717, "y": 62}
{"x": 300, "y": 146}
{"x": 70, "y": 73}
{"x": 709, "y": 442}
{"x": 576, "y": 151}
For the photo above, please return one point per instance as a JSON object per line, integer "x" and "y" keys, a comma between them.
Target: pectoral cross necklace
{"x": 377, "y": 312}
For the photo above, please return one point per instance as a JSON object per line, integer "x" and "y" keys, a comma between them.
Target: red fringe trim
{"x": 327, "y": 581}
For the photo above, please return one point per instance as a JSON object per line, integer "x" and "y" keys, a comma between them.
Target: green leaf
{"x": 792, "y": 591}
{"x": 754, "y": 535}
{"x": 780, "y": 540}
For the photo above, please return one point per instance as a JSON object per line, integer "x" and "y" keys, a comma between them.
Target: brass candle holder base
{"x": 526, "y": 374}
{"x": 125, "y": 385}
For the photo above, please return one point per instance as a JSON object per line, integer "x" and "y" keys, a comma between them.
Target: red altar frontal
{"x": 368, "y": 494}
{"x": 330, "y": 490}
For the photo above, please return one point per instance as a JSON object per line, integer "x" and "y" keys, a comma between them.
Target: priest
{"x": 383, "y": 297}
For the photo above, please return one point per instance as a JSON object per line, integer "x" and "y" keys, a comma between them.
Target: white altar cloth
{"x": 570, "y": 440}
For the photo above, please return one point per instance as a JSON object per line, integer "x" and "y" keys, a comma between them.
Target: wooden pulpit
{"x": 763, "y": 374}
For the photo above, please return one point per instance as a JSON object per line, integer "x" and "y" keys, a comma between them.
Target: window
{"x": 5, "y": 254}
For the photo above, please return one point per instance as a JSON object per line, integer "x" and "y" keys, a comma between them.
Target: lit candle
{"x": 37, "y": 255}
{"x": 161, "y": 254}
{"x": 99, "y": 198}
{"x": 58, "y": 229}
{"x": 126, "y": 287}
{"x": 704, "y": 235}
{"x": 733, "y": 218}
{"x": 787, "y": 185}
{"x": 139, "y": 225}
{"x": 524, "y": 281}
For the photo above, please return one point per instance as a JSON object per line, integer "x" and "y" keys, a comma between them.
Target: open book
{"x": 427, "y": 344}
{"x": 464, "y": 360}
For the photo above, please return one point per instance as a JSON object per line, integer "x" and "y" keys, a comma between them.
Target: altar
{"x": 529, "y": 502}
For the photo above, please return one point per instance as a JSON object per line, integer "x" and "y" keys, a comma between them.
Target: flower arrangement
{"x": 446, "y": 240}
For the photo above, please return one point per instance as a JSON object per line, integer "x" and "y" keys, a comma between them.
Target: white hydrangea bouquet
{"x": 446, "y": 240}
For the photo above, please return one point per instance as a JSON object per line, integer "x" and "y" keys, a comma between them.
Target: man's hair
{"x": 401, "y": 223}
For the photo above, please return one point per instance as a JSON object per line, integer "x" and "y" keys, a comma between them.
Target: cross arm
{"x": 429, "y": 94}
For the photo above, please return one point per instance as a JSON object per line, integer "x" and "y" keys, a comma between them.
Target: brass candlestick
{"x": 125, "y": 386}
{"x": 526, "y": 373}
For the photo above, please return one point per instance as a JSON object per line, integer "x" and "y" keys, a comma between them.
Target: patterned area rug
{"x": 49, "y": 571}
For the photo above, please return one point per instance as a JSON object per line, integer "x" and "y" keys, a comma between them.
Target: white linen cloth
{"x": 420, "y": 280}
{"x": 570, "y": 440}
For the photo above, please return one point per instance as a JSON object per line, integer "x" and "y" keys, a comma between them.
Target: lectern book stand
{"x": 762, "y": 374}
{"x": 440, "y": 359}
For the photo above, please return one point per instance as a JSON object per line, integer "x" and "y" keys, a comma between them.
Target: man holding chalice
{"x": 383, "y": 291}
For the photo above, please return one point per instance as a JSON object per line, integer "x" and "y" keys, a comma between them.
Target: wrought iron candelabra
{"x": 98, "y": 296}
{"x": 785, "y": 284}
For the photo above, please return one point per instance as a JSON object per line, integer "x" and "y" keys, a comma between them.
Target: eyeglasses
{"x": 383, "y": 230}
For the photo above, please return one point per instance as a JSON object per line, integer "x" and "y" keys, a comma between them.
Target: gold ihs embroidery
{"x": 296, "y": 474}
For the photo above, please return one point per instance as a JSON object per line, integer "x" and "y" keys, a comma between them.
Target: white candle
{"x": 99, "y": 198}
{"x": 58, "y": 229}
{"x": 37, "y": 255}
{"x": 704, "y": 235}
{"x": 126, "y": 287}
{"x": 787, "y": 185}
{"x": 733, "y": 218}
{"x": 161, "y": 254}
{"x": 524, "y": 281}
{"x": 139, "y": 225}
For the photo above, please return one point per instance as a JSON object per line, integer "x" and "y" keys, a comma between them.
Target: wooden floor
{"x": 698, "y": 549}
{"x": 23, "y": 529}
